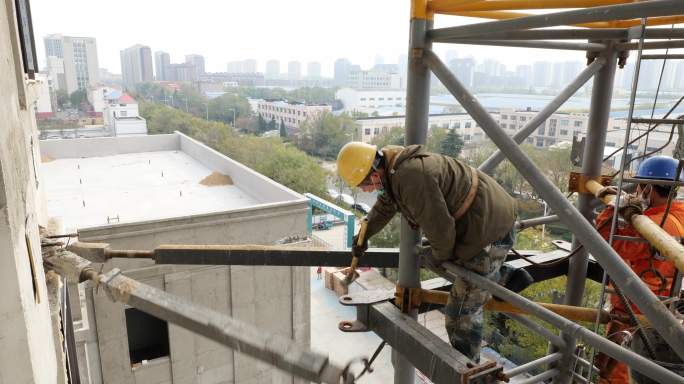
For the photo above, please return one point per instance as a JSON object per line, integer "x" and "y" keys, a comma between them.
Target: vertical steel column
{"x": 417, "y": 107}
{"x": 599, "y": 111}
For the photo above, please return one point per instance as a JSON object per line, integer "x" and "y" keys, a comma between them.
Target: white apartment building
{"x": 360, "y": 99}
{"x": 121, "y": 117}
{"x": 368, "y": 128}
{"x": 291, "y": 113}
{"x": 557, "y": 128}
{"x": 78, "y": 58}
{"x": 372, "y": 79}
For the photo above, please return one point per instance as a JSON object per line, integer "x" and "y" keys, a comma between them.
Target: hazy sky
{"x": 225, "y": 30}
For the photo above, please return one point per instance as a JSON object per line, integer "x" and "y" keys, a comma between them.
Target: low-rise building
{"x": 292, "y": 114}
{"x": 558, "y": 127}
{"x": 361, "y": 99}
{"x": 368, "y": 128}
{"x": 122, "y": 117}
{"x": 374, "y": 79}
{"x": 44, "y": 102}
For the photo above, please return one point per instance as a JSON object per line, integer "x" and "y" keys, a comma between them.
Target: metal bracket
{"x": 489, "y": 372}
{"x": 577, "y": 182}
{"x": 361, "y": 300}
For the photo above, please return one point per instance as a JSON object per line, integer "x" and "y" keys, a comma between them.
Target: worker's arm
{"x": 382, "y": 212}
{"x": 628, "y": 250}
{"x": 421, "y": 194}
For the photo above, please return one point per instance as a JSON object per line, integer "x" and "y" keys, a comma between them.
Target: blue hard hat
{"x": 659, "y": 168}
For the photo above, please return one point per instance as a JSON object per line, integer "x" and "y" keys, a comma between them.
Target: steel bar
{"x": 533, "y": 364}
{"x": 541, "y": 34}
{"x": 523, "y": 224}
{"x": 436, "y": 359}
{"x": 661, "y": 319}
{"x": 271, "y": 349}
{"x": 617, "y": 352}
{"x": 270, "y": 255}
{"x": 447, "y": 5}
{"x": 551, "y": 373}
{"x": 69, "y": 337}
{"x": 592, "y": 160}
{"x": 539, "y": 329}
{"x": 652, "y": 45}
{"x": 657, "y": 121}
{"x": 567, "y": 311}
{"x": 416, "y": 123}
{"x": 670, "y": 56}
{"x": 497, "y": 157}
{"x": 669, "y": 247}
{"x": 568, "y": 46}
{"x": 604, "y": 13}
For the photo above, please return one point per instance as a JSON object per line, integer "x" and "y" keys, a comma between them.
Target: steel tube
{"x": 533, "y": 364}
{"x": 670, "y": 56}
{"x": 448, "y": 5}
{"x": 657, "y": 121}
{"x": 540, "y": 377}
{"x": 619, "y": 353}
{"x": 669, "y": 247}
{"x": 661, "y": 319}
{"x": 541, "y": 34}
{"x": 539, "y": 329}
{"x": 523, "y": 224}
{"x": 592, "y": 161}
{"x": 416, "y": 123}
{"x": 531, "y": 44}
{"x": 497, "y": 157}
{"x": 652, "y": 45}
{"x": 605, "y": 13}
{"x": 651, "y": 181}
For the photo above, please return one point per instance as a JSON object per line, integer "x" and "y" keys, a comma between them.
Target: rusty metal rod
{"x": 651, "y": 231}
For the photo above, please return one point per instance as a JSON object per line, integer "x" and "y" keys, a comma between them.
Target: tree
{"x": 61, "y": 98}
{"x": 261, "y": 126}
{"x": 324, "y": 135}
{"x": 452, "y": 145}
{"x": 79, "y": 99}
{"x": 271, "y": 124}
{"x": 227, "y": 107}
{"x": 395, "y": 136}
{"x": 283, "y": 130}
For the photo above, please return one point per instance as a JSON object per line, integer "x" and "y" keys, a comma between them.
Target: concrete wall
{"x": 27, "y": 351}
{"x": 108, "y": 146}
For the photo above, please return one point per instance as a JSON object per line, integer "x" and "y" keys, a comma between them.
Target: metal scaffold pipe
{"x": 616, "y": 351}
{"x": 579, "y": 16}
{"x": 668, "y": 246}
{"x": 657, "y": 313}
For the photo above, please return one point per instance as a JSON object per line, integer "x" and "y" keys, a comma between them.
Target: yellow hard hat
{"x": 354, "y": 161}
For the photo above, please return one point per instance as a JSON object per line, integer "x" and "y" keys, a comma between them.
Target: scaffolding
{"x": 606, "y": 30}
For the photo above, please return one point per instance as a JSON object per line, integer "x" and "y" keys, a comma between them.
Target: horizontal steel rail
{"x": 523, "y": 224}
{"x": 604, "y": 13}
{"x": 540, "y": 34}
{"x": 651, "y": 45}
{"x": 539, "y": 329}
{"x": 569, "y": 46}
{"x": 533, "y": 364}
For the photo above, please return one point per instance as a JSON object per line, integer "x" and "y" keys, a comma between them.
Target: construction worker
{"x": 466, "y": 216}
{"x": 653, "y": 269}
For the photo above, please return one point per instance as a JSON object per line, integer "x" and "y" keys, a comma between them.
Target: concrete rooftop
{"x": 93, "y": 191}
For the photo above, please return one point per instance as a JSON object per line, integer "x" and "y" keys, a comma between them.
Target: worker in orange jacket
{"x": 653, "y": 269}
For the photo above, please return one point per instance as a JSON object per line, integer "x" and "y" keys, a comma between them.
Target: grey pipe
{"x": 533, "y": 364}
{"x": 613, "y": 350}
{"x": 656, "y": 312}
{"x": 570, "y": 46}
{"x": 523, "y": 224}
{"x": 538, "y": 329}
{"x": 604, "y": 13}
{"x": 497, "y": 157}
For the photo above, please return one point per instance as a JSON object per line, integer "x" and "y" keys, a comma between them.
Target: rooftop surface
{"x": 133, "y": 187}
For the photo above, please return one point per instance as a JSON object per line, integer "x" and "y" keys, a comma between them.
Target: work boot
{"x": 514, "y": 279}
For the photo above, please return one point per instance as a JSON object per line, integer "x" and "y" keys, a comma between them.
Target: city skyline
{"x": 239, "y": 38}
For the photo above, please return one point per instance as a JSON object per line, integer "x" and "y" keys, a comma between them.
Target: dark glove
{"x": 514, "y": 279}
{"x": 605, "y": 191}
{"x": 427, "y": 259}
{"x": 359, "y": 250}
{"x": 634, "y": 205}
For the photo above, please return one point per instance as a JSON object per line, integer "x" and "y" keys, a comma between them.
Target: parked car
{"x": 361, "y": 207}
{"x": 333, "y": 193}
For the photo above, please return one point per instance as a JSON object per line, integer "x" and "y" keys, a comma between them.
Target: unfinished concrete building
{"x": 143, "y": 191}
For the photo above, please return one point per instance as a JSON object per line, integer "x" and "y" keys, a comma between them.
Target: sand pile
{"x": 216, "y": 179}
{"x": 46, "y": 159}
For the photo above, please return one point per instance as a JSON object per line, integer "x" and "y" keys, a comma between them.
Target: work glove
{"x": 359, "y": 250}
{"x": 605, "y": 191}
{"x": 427, "y": 259}
{"x": 633, "y": 205}
{"x": 514, "y": 279}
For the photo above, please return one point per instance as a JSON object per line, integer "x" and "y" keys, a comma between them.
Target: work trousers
{"x": 464, "y": 313}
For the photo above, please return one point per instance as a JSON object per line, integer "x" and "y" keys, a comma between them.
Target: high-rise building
{"x": 161, "y": 61}
{"x": 249, "y": 66}
{"x": 185, "y": 72}
{"x": 72, "y": 61}
{"x": 542, "y": 73}
{"x": 198, "y": 62}
{"x": 241, "y": 66}
{"x": 294, "y": 70}
{"x": 570, "y": 71}
{"x": 464, "y": 69}
{"x": 524, "y": 72}
{"x": 313, "y": 70}
{"x": 136, "y": 65}
{"x": 272, "y": 69}
{"x": 341, "y": 71}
